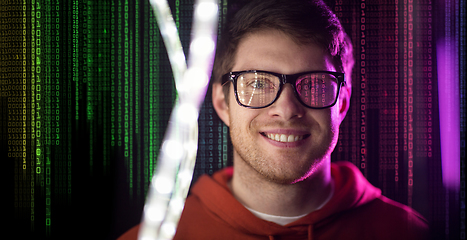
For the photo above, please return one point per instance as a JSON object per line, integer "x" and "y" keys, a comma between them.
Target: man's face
{"x": 310, "y": 134}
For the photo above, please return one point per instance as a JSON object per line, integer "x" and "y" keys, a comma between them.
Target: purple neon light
{"x": 449, "y": 112}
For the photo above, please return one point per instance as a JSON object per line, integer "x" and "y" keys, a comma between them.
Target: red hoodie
{"x": 357, "y": 210}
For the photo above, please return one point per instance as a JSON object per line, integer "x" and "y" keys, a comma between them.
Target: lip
{"x": 303, "y": 137}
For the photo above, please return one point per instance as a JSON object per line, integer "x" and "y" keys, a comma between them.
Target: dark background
{"x": 107, "y": 93}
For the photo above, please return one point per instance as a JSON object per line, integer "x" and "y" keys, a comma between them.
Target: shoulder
{"x": 397, "y": 210}
{"x": 389, "y": 219}
{"x": 198, "y": 221}
{"x": 131, "y": 234}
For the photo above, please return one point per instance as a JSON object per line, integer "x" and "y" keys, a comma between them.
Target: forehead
{"x": 273, "y": 50}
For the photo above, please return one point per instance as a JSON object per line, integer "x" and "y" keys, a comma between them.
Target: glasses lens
{"x": 317, "y": 89}
{"x": 257, "y": 89}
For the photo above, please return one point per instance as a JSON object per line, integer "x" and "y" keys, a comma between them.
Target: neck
{"x": 260, "y": 194}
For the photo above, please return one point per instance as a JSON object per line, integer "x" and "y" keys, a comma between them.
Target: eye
{"x": 305, "y": 84}
{"x": 259, "y": 84}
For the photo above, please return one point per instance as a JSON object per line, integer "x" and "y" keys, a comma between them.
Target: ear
{"x": 219, "y": 101}
{"x": 344, "y": 102}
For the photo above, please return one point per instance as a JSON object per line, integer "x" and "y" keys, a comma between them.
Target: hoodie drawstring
{"x": 271, "y": 237}
{"x": 310, "y": 232}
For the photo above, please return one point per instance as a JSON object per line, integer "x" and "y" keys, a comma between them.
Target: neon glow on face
{"x": 286, "y": 141}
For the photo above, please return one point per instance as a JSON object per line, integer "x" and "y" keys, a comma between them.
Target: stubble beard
{"x": 291, "y": 168}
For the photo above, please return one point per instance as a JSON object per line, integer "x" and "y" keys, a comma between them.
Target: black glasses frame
{"x": 284, "y": 78}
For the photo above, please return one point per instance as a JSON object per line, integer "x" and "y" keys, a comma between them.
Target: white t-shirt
{"x": 283, "y": 220}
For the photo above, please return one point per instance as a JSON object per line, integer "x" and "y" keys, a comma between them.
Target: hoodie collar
{"x": 351, "y": 190}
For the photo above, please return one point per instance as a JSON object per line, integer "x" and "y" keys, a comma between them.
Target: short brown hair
{"x": 305, "y": 21}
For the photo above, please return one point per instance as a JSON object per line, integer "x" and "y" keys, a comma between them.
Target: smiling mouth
{"x": 284, "y": 137}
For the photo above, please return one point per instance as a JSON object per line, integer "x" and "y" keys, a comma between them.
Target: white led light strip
{"x": 174, "y": 171}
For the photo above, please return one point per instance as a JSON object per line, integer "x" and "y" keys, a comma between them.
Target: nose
{"x": 287, "y": 105}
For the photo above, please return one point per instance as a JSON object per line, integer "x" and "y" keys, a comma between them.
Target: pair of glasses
{"x": 260, "y": 89}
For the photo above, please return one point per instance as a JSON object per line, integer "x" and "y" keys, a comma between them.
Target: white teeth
{"x": 283, "y": 137}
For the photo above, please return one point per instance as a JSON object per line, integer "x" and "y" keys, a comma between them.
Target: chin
{"x": 291, "y": 176}
{"x": 311, "y": 172}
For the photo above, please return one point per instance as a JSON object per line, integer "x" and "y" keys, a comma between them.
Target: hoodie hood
{"x": 351, "y": 190}
{"x": 357, "y": 210}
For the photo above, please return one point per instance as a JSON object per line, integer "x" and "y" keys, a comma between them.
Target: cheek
{"x": 335, "y": 122}
{"x": 243, "y": 120}
{"x": 325, "y": 117}
{"x": 237, "y": 114}
{"x": 335, "y": 117}
{"x": 327, "y": 123}
{"x": 241, "y": 116}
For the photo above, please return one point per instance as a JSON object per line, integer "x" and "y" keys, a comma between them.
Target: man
{"x": 281, "y": 82}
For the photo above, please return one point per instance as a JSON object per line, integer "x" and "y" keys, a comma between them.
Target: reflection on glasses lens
{"x": 258, "y": 89}
{"x": 317, "y": 90}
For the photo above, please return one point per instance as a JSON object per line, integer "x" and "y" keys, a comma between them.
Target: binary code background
{"x": 86, "y": 91}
